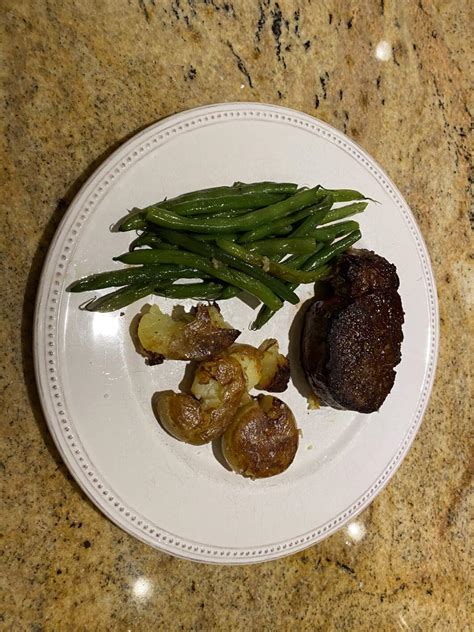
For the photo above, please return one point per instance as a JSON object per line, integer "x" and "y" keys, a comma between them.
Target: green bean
{"x": 325, "y": 253}
{"x": 265, "y": 313}
{"x": 219, "y": 271}
{"x": 329, "y": 233}
{"x": 296, "y": 245}
{"x": 318, "y": 261}
{"x": 298, "y": 261}
{"x": 120, "y": 298}
{"x": 307, "y": 226}
{"x": 332, "y": 250}
{"x": 276, "y": 269}
{"x": 205, "y": 201}
{"x": 238, "y": 196}
{"x": 112, "y": 278}
{"x": 285, "y": 229}
{"x": 199, "y": 291}
{"x": 235, "y": 212}
{"x": 161, "y": 246}
{"x": 211, "y": 236}
{"x": 340, "y": 212}
{"x": 146, "y": 239}
{"x": 229, "y": 292}
{"x": 268, "y": 229}
{"x": 345, "y": 195}
{"x": 135, "y": 220}
{"x": 127, "y": 276}
{"x": 305, "y": 229}
{"x": 211, "y": 250}
{"x": 251, "y": 220}
{"x": 325, "y": 215}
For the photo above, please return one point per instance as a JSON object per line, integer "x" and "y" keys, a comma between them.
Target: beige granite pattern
{"x": 79, "y": 77}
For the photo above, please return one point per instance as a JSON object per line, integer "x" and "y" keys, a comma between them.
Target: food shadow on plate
{"x": 298, "y": 377}
{"x": 249, "y": 300}
{"x": 218, "y": 454}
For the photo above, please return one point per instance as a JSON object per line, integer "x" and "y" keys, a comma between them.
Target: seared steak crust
{"x": 351, "y": 341}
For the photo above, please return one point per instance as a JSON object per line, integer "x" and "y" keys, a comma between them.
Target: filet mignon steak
{"x": 351, "y": 340}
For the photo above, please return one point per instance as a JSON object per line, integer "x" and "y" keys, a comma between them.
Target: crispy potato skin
{"x": 279, "y": 382}
{"x": 275, "y": 368}
{"x": 198, "y": 337}
{"x": 201, "y": 338}
{"x": 262, "y": 439}
{"x": 199, "y": 421}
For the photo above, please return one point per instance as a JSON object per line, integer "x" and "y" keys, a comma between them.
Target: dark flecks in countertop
{"x": 323, "y": 80}
{"x": 277, "y": 19}
{"x": 296, "y": 18}
{"x": 142, "y": 5}
{"x": 346, "y": 120}
{"x": 344, "y": 567}
{"x": 262, "y": 18}
{"x": 240, "y": 64}
{"x": 191, "y": 73}
{"x": 395, "y": 51}
{"x": 283, "y": 30}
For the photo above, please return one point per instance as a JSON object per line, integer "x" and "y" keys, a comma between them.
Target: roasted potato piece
{"x": 275, "y": 367}
{"x": 250, "y": 359}
{"x": 262, "y": 439}
{"x": 195, "y": 336}
{"x": 217, "y": 390}
{"x": 264, "y": 368}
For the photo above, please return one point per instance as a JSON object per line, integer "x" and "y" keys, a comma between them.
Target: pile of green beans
{"x": 264, "y": 238}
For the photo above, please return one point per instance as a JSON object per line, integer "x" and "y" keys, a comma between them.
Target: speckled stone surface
{"x": 80, "y": 77}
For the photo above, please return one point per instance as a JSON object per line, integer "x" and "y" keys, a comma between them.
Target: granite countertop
{"x": 80, "y": 77}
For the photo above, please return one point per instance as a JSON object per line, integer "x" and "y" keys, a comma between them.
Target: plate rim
{"x": 175, "y": 545}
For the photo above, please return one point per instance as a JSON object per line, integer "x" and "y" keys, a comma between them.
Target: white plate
{"x": 96, "y": 390}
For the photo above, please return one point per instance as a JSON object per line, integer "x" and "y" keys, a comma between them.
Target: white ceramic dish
{"x": 96, "y": 390}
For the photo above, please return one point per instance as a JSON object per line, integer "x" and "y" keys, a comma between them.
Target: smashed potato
{"x": 220, "y": 386}
{"x": 250, "y": 359}
{"x": 265, "y": 368}
{"x": 195, "y": 336}
{"x": 262, "y": 439}
{"x": 224, "y": 375}
{"x": 217, "y": 390}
